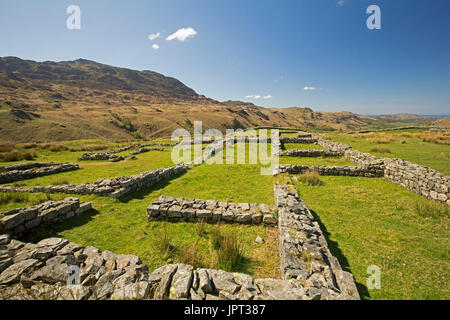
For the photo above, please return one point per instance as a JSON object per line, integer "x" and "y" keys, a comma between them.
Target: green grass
{"x": 125, "y": 230}
{"x": 93, "y": 170}
{"x": 317, "y": 161}
{"x": 372, "y": 221}
{"x": 435, "y": 156}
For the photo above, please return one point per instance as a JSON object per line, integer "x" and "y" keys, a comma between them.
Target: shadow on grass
{"x": 337, "y": 252}
{"x": 56, "y": 229}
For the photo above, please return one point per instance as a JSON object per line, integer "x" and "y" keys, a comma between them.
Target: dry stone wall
{"x": 304, "y": 140}
{"x": 419, "y": 179}
{"x": 33, "y": 170}
{"x": 311, "y": 153}
{"x": 304, "y": 253}
{"x": 212, "y": 211}
{"x": 40, "y": 271}
{"x": 19, "y": 222}
{"x": 370, "y": 171}
{"x": 115, "y": 187}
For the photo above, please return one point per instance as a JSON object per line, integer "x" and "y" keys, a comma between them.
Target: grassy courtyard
{"x": 370, "y": 221}
{"x": 424, "y": 148}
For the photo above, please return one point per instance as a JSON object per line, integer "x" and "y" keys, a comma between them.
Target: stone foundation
{"x": 370, "y": 171}
{"x": 211, "y": 211}
{"x": 304, "y": 253}
{"x": 115, "y": 187}
{"x": 19, "y": 222}
{"x": 40, "y": 271}
{"x": 311, "y": 153}
{"x": 419, "y": 179}
{"x": 33, "y": 170}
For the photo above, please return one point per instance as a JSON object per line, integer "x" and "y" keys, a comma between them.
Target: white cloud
{"x": 155, "y": 46}
{"x": 268, "y": 97}
{"x": 154, "y": 36}
{"x": 340, "y": 3}
{"x": 309, "y": 88}
{"x": 253, "y": 96}
{"x": 182, "y": 34}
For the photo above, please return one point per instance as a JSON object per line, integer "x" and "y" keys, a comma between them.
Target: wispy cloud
{"x": 182, "y": 34}
{"x": 154, "y": 36}
{"x": 309, "y": 88}
{"x": 258, "y": 96}
{"x": 340, "y": 3}
{"x": 155, "y": 46}
{"x": 253, "y": 96}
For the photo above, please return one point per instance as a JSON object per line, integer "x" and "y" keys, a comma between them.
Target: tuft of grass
{"x": 431, "y": 210}
{"x": 6, "y": 147}
{"x": 189, "y": 254}
{"x": 201, "y": 228}
{"x": 380, "y": 149}
{"x": 163, "y": 243}
{"x": 15, "y": 155}
{"x": 310, "y": 178}
{"x": 59, "y": 182}
{"x": 216, "y": 237}
{"x": 30, "y": 199}
{"x": 230, "y": 255}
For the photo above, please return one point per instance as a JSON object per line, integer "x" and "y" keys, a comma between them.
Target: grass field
{"x": 372, "y": 221}
{"x": 309, "y": 146}
{"x": 405, "y": 144}
{"x": 367, "y": 221}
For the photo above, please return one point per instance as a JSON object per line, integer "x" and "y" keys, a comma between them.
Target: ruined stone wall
{"x": 211, "y": 211}
{"x": 305, "y": 140}
{"x": 33, "y": 170}
{"x": 304, "y": 253}
{"x": 40, "y": 271}
{"x": 19, "y": 222}
{"x": 419, "y": 179}
{"x": 370, "y": 171}
{"x": 115, "y": 187}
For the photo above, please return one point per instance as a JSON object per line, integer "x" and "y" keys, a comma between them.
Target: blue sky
{"x": 257, "y": 48}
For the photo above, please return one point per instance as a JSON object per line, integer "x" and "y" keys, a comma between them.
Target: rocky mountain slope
{"x": 54, "y": 101}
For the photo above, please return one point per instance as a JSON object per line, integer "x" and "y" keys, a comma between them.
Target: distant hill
{"x": 442, "y": 123}
{"x": 54, "y": 101}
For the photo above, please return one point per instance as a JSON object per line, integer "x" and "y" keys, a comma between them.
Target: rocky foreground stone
{"x": 42, "y": 271}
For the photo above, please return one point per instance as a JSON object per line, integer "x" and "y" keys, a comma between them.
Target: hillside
{"x": 52, "y": 101}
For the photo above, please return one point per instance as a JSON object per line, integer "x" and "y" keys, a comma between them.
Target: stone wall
{"x": 115, "y": 187}
{"x": 419, "y": 179}
{"x": 40, "y": 271}
{"x": 33, "y": 170}
{"x": 211, "y": 211}
{"x": 311, "y": 153}
{"x": 304, "y": 253}
{"x": 370, "y": 171}
{"x": 19, "y": 222}
{"x": 298, "y": 140}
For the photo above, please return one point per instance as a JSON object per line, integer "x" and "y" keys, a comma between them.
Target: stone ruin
{"x": 309, "y": 270}
{"x": 211, "y": 211}
{"x": 31, "y": 170}
{"x": 21, "y": 221}
{"x": 114, "y": 187}
{"x": 419, "y": 179}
